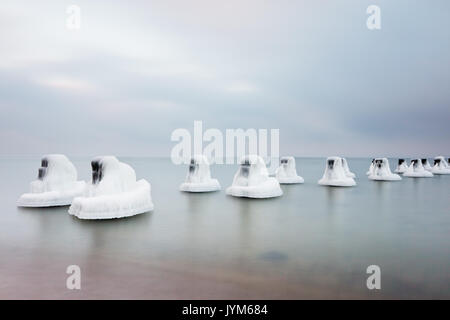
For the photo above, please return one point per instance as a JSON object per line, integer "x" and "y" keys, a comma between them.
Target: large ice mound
{"x": 335, "y": 175}
{"x": 347, "y": 171}
{"x": 401, "y": 167}
{"x": 382, "y": 172}
{"x": 440, "y": 166}
{"x": 199, "y": 178}
{"x": 252, "y": 180}
{"x": 416, "y": 170}
{"x": 56, "y": 184}
{"x": 113, "y": 192}
{"x": 286, "y": 173}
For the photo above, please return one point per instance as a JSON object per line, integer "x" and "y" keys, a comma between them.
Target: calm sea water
{"x": 313, "y": 242}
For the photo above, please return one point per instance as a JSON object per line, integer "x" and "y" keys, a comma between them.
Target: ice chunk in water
{"x": 382, "y": 171}
{"x": 440, "y": 166}
{"x": 335, "y": 174}
{"x": 113, "y": 192}
{"x": 199, "y": 178}
{"x": 416, "y": 170}
{"x": 252, "y": 180}
{"x": 426, "y": 165}
{"x": 286, "y": 173}
{"x": 56, "y": 184}
{"x": 401, "y": 166}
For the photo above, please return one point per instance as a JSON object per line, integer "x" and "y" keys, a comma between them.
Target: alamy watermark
{"x": 73, "y": 282}
{"x": 73, "y": 21}
{"x": 374, "y": 20}
{"x": 374, "y": 280}
{"x": 226, "y": 148}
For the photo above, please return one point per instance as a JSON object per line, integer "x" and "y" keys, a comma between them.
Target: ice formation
{"x": 199, "y": 178}
{"x": 416, "y": 170}
{"x": 401, "y": 167}
{"x": 286, "y": 173}
{"x": 440, "y": 166}
{"x": 252, "y": 180}
{"x": 335, "y": 175}
{"x": 382, "y": 172}
{"x": 56, "y": 184}
{"x": 346, "y": 169}
{"x": 371, "y": 168}
{"x": 426, "y": 164}
{"x": 113, "y": 192}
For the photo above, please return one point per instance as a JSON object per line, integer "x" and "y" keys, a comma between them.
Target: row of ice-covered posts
{"x": 114, "y": 191}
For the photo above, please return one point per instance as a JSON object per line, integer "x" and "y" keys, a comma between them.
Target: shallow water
{"x": 313, "y": 242}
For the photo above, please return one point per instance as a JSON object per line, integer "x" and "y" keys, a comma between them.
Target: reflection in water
{"x": 41, "y": 212}
{"x": 252, "y": 221}
{"x": 50, "y": 222}
{"x": 246, "y": 209}
{"x": 288, "y": 190}
{"x": 335, "y": 197}
{"x": 199, "y": 207}
{"x": 197, "y": 202}
{"x": 416, "y": 189}
{"x": 383, "y": 192}
{"x": 98, "y": 235}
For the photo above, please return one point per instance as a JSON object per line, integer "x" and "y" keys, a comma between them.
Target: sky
{"x": 137, "y": 70}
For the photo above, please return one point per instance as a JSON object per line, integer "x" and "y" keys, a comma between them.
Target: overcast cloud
{"x": 137, "y": 70}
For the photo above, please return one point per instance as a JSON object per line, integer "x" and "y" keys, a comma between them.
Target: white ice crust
{"x": 286, "y": 173}
{"x": 335, "y": 175}
{"x": 426, "y": 165}
{"x": 440, "y": 166}
{"x": 113, "y": 192}
{"x": 401, "y": 167}
{"x": 347, "y": 171}
{"x": 416, "y": 170}
{"x": 382, "y": 171}
{"x": 199, "y": 178}
{"x": 370, "y": 171}
{"x": 252, "y": 180}
{"x": 56, "y": 185}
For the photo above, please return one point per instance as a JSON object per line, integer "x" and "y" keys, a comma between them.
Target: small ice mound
{"x": 252, "y": 180}
{"x": 382, "y": 172}
{"x": 56, "y": 184}
{"x": 440, "y": 166}
{"x": 416, "y": 170}
{"x": 113, "y": 192}
{"x": 401, "y": 167}
{"x": 426, "y": 165}
{"x": 347, "y": 171}
{"x": 199, "y": 178}
{"x": 335, "y": 175}
{"x": 286, "y": 173}
{"x": 370, "y": 171}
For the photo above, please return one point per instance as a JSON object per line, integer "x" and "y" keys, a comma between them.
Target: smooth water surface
{"x": 313, "y": 242}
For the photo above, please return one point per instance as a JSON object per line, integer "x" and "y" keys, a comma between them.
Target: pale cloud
{"x": 140, "y": 70}
{"x": 242, "y": 87}
{"x": 66, "y": 83}
{"x": 170, "y": 69}
{"x": 133, "y": 107}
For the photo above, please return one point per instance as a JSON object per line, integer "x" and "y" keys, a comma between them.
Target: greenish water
{"x": 313, "y": 242}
